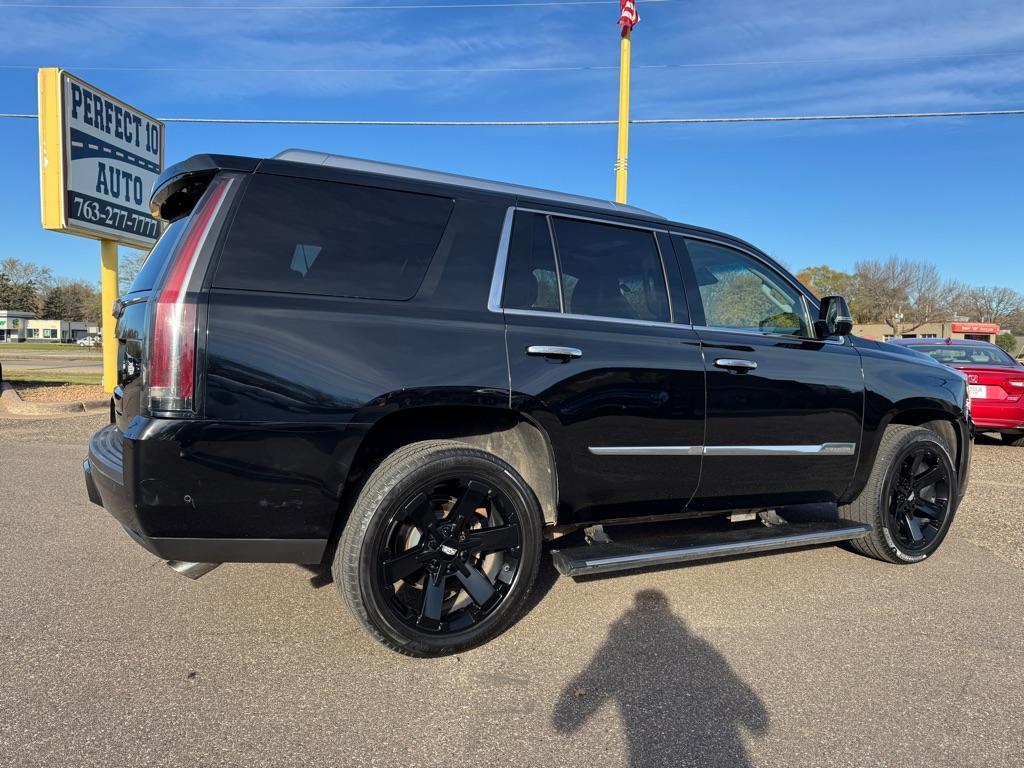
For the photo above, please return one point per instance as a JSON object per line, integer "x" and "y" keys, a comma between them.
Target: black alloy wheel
{"x": 910, "y": 497}
{"x": 448, "y": 558}
{"x": 440, "y": 549}
{"x": 919, "y": 500}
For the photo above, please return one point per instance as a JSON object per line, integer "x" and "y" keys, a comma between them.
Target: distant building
{"x": 945, "y": 330}
{"x": 17, "y": 326}
{"x": 13, "y": 324}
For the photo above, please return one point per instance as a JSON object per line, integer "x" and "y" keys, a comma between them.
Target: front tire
{"x": 440, "y": 550}
{"x": 909, "y": 499}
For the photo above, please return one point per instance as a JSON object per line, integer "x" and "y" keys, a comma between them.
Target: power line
{"x": 400, "y": 7}
{"x": 562, "y": 123}
{"x": 553, "y": 68}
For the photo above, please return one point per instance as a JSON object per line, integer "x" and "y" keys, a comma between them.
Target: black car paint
{"x": 291, "y": 386}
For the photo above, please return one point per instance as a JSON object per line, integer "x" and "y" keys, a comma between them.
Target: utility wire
{"x": 553, "y": 68}
{"x": 537, "y": 123}
{"x": 399, "y": 7}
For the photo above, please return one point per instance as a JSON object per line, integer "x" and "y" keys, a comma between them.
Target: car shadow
{"x": 680, "y": 702}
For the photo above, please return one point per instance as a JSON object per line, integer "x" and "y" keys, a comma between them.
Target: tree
{"x": 904, "y": 294}
{"x": 129, "y": 264}
{"x": 993, "y": 304}
{"x": 18, "y": 296}
{"x": 73, "y": 300}
{"x": 19, "y": 271}
{"x": 825, "y": 281}
{"x": 1007, "y": 342}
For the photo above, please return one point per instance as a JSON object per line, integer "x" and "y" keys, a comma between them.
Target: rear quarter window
{"x": 154, "y": 263}
{"x": 331, "y": 239}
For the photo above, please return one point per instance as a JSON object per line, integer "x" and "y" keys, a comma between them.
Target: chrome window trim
{"x": 595, "y": 219}
{"x": 596, "y": 318}
{"x": 501, "y": 262}
{"x": 780, "y": 336}
{"x": 823, "y": 449}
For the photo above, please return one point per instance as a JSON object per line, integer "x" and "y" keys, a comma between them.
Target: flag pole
{"x": 622, "y": 157}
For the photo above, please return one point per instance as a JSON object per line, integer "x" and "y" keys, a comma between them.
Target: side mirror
{"x": 834, "y": 318}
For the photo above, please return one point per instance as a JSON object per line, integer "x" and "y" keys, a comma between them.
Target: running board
{"x": 650, "y": 551}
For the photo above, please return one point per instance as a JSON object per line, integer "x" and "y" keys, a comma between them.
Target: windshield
{"x": 965, "y": 354}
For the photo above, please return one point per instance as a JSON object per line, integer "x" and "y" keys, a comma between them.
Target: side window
{"x": 331, "y": 239}
{"x": 740, "y": 292}
{"x": 531, "y": 278}
{"x": 610, "y": 271}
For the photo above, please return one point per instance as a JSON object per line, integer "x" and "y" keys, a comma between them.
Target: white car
{"x": 92, "y": 340}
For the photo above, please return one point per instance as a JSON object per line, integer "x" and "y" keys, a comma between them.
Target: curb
{"x": 11, "y": 402}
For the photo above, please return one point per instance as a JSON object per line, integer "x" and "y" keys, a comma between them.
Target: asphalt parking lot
{"x": 817, "y": 657}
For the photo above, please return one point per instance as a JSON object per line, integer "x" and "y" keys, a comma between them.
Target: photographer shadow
{"x": 680, "y": 702}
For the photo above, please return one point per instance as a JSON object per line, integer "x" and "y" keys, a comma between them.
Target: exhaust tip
{"x": 189, "y": 569}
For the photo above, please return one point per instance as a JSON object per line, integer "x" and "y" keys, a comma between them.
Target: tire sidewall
{"x": 437, "y": 465}
{"x": 907, "y": 443}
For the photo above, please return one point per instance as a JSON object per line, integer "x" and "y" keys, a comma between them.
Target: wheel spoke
{"x": 928, "y": 509}
{"x": 433, "y": 597}
{"x": 463, "y": 511}
{"x": 495, "y": 539}
{"x": 915, "y": 464}
{"x": 403, "y": 566}
{"x": 421, "y": 513}
{"x": 912, "y": 527}
{"x": 928, "y": 479}
{"x": 476, "y": 584}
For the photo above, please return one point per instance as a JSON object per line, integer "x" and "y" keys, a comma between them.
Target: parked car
{"x": 995, "y": 382}
{"x": 90, "y": 340}
{"x": 418, "y": 378}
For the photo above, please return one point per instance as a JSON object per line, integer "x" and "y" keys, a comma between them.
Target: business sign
{"x": 975, "y": 328}
{"x": 98, "y": 159}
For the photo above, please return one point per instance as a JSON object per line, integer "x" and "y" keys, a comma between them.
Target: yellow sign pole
{"x": 622, "y": 158}
{"x": 108, "y": 291}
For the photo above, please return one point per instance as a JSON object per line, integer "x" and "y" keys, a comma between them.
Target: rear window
{"x": 965, "y": 354}
{"x": 331, "y": 239}
{"x": 154, "y": 263}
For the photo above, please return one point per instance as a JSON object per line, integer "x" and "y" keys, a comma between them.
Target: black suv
{"x": 420, "y": 377}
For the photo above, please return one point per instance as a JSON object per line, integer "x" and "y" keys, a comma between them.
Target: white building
{"x": 17, "y": 326}
{"x": 13, "y": 325}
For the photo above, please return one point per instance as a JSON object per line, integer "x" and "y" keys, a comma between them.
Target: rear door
{"x": 604, "y": 360}
{"x": 784, "y": 409}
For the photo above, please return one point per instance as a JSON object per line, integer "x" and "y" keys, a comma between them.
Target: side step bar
{"x": 650, "y": 551}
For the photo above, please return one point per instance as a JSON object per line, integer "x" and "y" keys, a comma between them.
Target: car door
{"x": 598, "y": 359}
{"x": 785, "y": 409}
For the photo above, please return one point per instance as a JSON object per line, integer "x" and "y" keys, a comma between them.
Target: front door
{"x": 784, "y": 408}
{"x": 597, "y": 360}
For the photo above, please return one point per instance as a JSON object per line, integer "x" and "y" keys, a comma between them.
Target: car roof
{"x": 950, "y": 341}
{"x": 440, "y": 177}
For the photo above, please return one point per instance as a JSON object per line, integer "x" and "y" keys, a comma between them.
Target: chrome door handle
{"x": 561, "y": 353}
{"x": 735, "y": 365}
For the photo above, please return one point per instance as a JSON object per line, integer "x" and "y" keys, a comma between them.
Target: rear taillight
{"x": 171, "y": 368}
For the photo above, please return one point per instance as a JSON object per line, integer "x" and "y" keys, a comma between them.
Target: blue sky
{"x": 949, "y": 190}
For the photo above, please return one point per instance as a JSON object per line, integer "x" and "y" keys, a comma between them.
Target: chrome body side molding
{"x": 824, "y": 449}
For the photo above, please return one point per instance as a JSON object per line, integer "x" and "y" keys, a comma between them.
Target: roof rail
{"x": 422, "y": 174}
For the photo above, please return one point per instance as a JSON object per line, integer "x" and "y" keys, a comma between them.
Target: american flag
{"x": 628, "y": 18}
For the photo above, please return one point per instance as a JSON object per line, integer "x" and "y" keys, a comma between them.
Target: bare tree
{"x": 904, "y": 294}
{"x": 993, "y": 304}
{"x": 19, "y": 272}
{"x": 129, "y": 264}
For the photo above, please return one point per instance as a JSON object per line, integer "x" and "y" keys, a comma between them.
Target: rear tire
{"x": 1016, "y": 440}
{"x": 441, "y": 549}
{"x": 909, "y": 499}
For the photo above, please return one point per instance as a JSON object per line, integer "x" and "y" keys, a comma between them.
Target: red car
{"x": 995, "y": 382}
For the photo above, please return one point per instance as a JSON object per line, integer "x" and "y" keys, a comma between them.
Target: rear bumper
{"x": 111, "y": 481}
{"x": 998, "y": 416}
